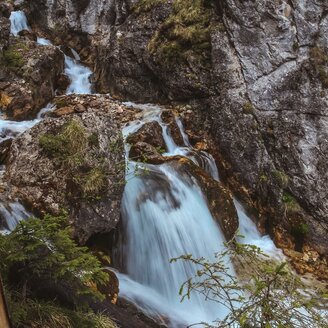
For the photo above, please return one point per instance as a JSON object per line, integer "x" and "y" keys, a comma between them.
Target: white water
{"x": 12, "y": 214}
{"x": 18, "y": 22}
{"x": 166, "y": 215}
{"x": 79, "y": 76}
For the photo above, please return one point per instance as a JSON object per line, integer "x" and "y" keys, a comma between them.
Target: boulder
{"x": 150, "y": 133}
{"x": 73, "y": 162}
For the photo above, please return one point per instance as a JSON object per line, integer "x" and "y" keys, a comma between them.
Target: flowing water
{"x": 18, "y": 22}
{"x": 165, "y": 215}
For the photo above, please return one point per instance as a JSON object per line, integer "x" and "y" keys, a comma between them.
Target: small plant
{"x": 281, "y": 178}
{"x": 143, "y": 6}
{"x": 13, "y": 58}
{"x": 43, "y": 250}
{"x": 269, "y": 294}
{"x": 290, "y": 202}
{"x": 185, "y": 33}
{"x": 94, "y": 181}
{"x": 248, "y": 108}
{"x": 319, "y": 59}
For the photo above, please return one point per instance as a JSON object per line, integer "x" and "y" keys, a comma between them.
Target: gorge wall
{"x": 254, "y": 74}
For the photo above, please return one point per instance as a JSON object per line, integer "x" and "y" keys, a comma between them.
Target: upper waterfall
{"x": 18, "y": 22}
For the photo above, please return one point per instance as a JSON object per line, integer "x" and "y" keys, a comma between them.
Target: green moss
{"x": 281, "y": 178}
{"x": 13, "y": 58}
{"x": 69, "y": 146}
{"x": 248, "y": 108}
{"x": 94, "y": 182}
{"x": 290, "y": 202}
{"x": 61, "y": 102}
{"x": 185, "y": 34}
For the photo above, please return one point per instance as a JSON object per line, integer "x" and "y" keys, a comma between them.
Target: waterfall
{"x": 165, "y": 216}
{"x": 18, "y": 22}
{"x": 78, "y": 74}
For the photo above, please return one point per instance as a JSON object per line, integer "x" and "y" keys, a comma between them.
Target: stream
{"x": 165, "y": 214}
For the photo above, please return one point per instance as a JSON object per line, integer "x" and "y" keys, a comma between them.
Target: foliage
{"x": 290, "y": 202}
{"x": 185, "y": 33}
{"x": 269, "y": 295}
{"x": 248, "y": 108}
{"x": 44, "y": 249}
{"x": 13, "y": 58}
{"x": 281, "y": 178}
{"x": 41, "y": 314}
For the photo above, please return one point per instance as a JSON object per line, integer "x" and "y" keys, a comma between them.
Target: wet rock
{"x": 111, "y": 289}
{"x": 62, "y": 84}
{"x": 169, "y": 118}
{"x": 4, "y": 151}
{"x": 28, "y": 34}
{"x": 73, "y": 162}
{"x": 144, "y": 152}
{"x": 150, "y": 133}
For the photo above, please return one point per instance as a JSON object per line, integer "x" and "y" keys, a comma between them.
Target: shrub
{"x": 269, "y": 294}
{"x": 185, "y": 33}
{"x": 43, "y": 250}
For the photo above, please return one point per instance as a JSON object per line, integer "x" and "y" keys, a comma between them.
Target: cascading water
{"x": 78, "y": 74}
{"x": 165, "y": 215}
{"x": 18, "y": 22}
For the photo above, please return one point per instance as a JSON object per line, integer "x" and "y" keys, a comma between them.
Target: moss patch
{"x": 185, "y": 34}
{"x": 290, "y": 202}
{"x": 76, "y": 151}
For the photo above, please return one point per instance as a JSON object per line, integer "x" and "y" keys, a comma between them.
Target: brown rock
{"x": 4, "y": 151}
{"x": 63, "y": 111}
{"x": 111, "y": 289}
{"x": 169, "y": 118}
{"x": 150, "y": 133}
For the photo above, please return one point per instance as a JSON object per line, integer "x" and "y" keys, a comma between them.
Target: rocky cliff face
{"x": 255, "y": 75}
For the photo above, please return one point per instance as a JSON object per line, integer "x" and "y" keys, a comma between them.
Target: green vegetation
{"x": 14, "y": 56}
{"x": 290, "y": 202}
{"x": 73, "y": 148}
{"x": 248, "y": 108}
{"x": 42, "y": 253}
{"x": 41, "y": 314}
{"x": 185, "y": 34}
{"x": 267, "y": 294}
{"x": 281, "y": 178}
